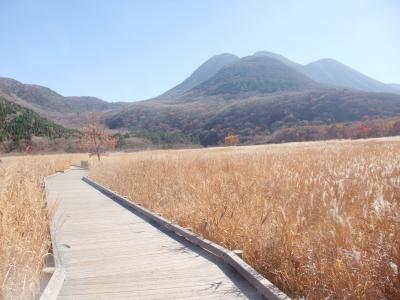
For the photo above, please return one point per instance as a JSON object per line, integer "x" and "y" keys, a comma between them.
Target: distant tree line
{"x": 355, "y": 130}
{"x": 368, "y": 128}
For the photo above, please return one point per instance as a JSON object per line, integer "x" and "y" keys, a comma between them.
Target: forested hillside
{"x": 20, "y": 124}
{"x": 67, "y": 111}
{"x": 255, "y": 119}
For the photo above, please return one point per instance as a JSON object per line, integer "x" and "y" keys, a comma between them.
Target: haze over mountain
{"x": 332, "y": 73}
{"x": 68, "y": 111}
{"x": 395, "y": 86}
{"x": 252, "y": 96}
{"x": 279, "y": 57}
{"x": 327, "y": 72}
{"x": 260, "y": 94}
{"x": 255, "y": 74}
{"x": 201, "y": 74}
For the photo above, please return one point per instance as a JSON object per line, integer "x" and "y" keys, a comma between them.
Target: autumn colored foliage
{"x": 96, "y": 139}
{"x": 231, "y": 140}
{"x": 356, "y": 130}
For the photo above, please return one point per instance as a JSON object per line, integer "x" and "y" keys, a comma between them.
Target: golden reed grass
{"x": 24, "y": 233}
{"x": 320, "y": 220}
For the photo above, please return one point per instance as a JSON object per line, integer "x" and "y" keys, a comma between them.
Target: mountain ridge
{"x": 332, "y": 73}
{"x": 337, "y": 74}
{"x": 214, "y": 117}
{"x": 49, "y": 104}
{"x": 395, "y": 86}
{"x": 251, "y": 96}
{"x": 255, "y": 96}
{"x": 255, "y": 74}
{"x": 204, "y": 72}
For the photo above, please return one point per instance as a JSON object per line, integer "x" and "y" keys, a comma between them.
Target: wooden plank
{"x": 54, "y": 285}
{"x": 110, "y": 251}
{"x": 264, "y": 286}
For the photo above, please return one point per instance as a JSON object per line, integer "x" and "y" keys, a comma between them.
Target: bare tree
{"x": 96, "y": 138}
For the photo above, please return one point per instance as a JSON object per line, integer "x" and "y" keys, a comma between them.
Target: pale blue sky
{"x": 133, "y": 50}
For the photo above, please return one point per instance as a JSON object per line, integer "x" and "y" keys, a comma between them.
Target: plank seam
{"x": 262, "y": 285}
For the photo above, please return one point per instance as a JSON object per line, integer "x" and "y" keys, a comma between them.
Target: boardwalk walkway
{"x": 108, "y": 252}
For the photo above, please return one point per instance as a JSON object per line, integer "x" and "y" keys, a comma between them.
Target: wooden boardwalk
{"x": 109, "y": 252}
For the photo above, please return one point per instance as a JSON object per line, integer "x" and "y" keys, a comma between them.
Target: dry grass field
{"x": 24, "y": 234}
{"x": 320, "y": 219}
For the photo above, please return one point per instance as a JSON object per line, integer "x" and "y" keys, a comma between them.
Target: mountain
{"x": 331, "y": 72}
{"x": 257, "y": 74}
{"x": 255, "y": 97}
{"x": 259, "y": 95}
{"x": 201, "y": 74}
{"x": 301, "y": 108}
{"x": 20, "y": 123}
{"x": 279, "y": 57}
{"x": 211, "y": 118}
{"x": 395, "y": 86}
{"x": 68, "y": 111}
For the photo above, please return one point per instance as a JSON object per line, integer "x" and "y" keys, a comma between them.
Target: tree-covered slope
{"x": 67, "y": 111}
{"x": 19, "y": 123}
{"x": 211, "y": 118}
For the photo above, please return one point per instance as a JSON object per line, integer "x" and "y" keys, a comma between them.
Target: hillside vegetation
{"x": 258, "y": 117}
{"x": 19, "y": 124}
{"x": 261, "y": 98}
{"x": 67, "y": 111}
{"x": 320, "y": 220}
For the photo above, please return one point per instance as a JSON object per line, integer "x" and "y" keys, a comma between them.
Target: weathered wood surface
{"x": 108, "y": 252}
{"x": 264, "y": 286}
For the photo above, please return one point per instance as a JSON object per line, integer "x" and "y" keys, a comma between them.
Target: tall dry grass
{"x": 24, "y": 234}
{"x": 320, "y": 220}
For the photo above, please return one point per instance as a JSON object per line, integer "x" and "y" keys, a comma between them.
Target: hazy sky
{"x": 133, "y": 50}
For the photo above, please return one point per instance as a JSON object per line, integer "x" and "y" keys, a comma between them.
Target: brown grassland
{"x": 24, "y": 234}
{"x": 320, "y": 219}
